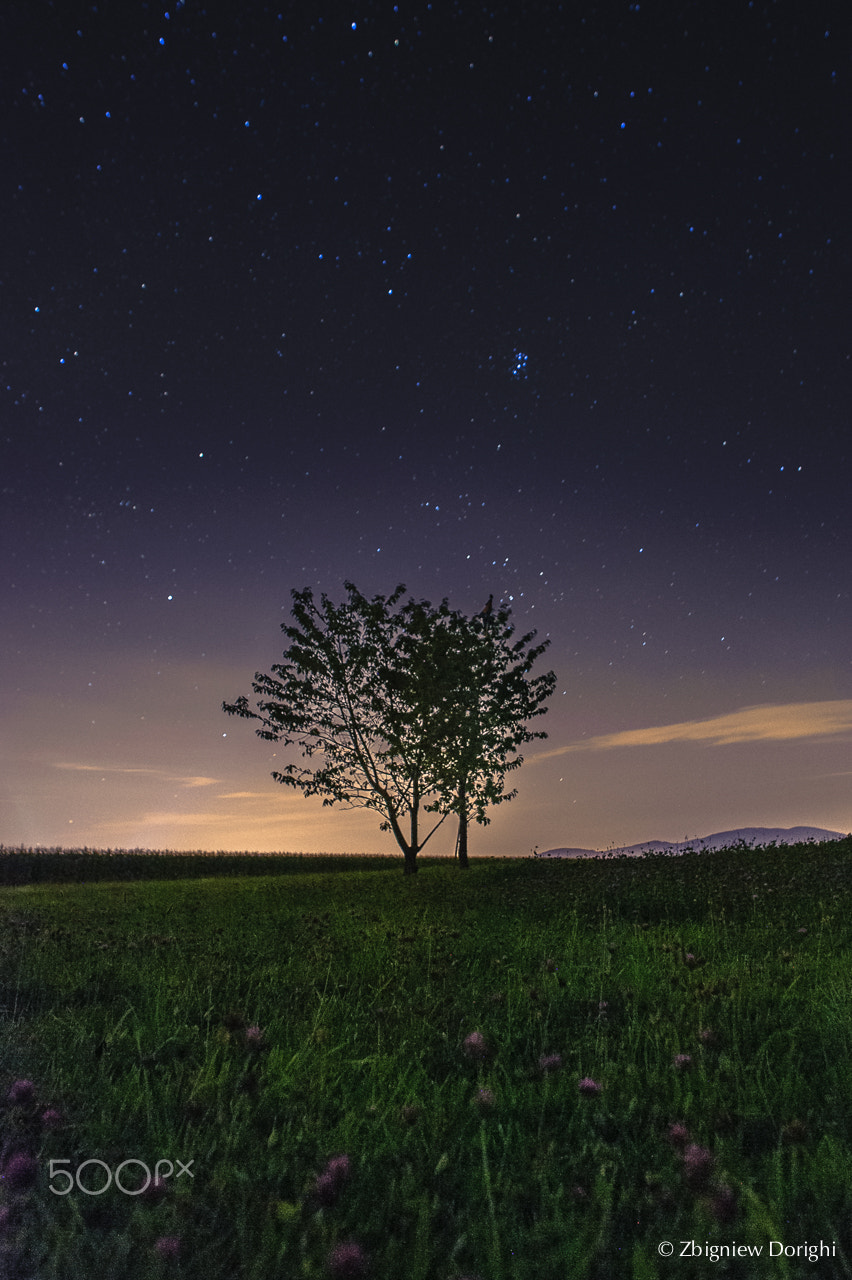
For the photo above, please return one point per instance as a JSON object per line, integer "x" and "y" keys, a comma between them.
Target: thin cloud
{"x": 239, "y": 828}
{"x": 781, "y": 723}
{"x": 177, "y": 779}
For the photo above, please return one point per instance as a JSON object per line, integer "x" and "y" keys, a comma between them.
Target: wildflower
{"x": 484, "y": 1100}
{"x": 20, "y": 1172}
{"x": 697, "y": 1165}
{"x": 51, "y": 1118}
{"x": 678, "y": 1135}
{"x": 347, "y": 1261}
{"x": 167, "y": 1246}
{"x": 550, "y": 1062}
{"x": 155, "y": 1190}
{"x": 683, "y": 1061}
{"x": 326, "y": 1190}
{"x": 723, "y": 1204}
{"x": 708, "y": 1037}
{"x": 22, "y": 1092}
{"x": 331, "y": 1181}
{"x": 689, "y": 960}
{"x": 474, "y": 1045}
{"x": 254, "y": 1037}
{"x": 340, "y": 1168}
{"x": 589, "y": 1087}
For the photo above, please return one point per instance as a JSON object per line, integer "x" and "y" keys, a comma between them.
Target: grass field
{"x": 527, "y": 1071}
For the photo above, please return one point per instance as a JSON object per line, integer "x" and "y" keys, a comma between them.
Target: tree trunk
{"x": 411, "y": 849}
{"x": 462, "y": 840}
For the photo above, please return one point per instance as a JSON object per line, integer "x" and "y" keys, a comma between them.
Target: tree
{"x": 482, "y": 699}
{"x": 339, "y": 696}
{"x": 408, "y": 709}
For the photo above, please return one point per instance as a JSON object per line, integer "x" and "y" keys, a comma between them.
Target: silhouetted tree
{"x": 402, "y": 708}
{"x": 482, "y": 698}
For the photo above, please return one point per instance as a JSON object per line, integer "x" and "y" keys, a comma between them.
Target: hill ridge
{"x": 753, "y": 836}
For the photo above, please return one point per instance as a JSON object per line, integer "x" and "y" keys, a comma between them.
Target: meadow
{"x": 306, "y": 1067}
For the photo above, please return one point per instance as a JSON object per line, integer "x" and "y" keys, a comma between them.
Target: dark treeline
{"x": 774, "y": 876}
{"x": 79, "y": 866}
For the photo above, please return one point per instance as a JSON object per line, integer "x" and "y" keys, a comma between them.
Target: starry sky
{"x": 545, "y": 300}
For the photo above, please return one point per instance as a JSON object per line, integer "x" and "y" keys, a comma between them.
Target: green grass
{"x": 129, "y": 1005}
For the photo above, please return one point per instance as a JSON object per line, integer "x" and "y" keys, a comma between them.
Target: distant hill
{"x": 753, "y": 836}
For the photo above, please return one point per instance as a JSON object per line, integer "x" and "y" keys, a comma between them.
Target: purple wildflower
{"x": 167, "y": 1246}
{"x": 678, "y": 1135}
{"x": 20, "y": 1172}
{"x": 51, "y": 1118}
{"x": 254, "y": 1037}
{"x": 683, "y": 1061}
{"x": 22, "y": 1092}
{"x": 589, "y": 1087}
{"x": 326, "y": 1190}
{"x": 697, "y": 1165}
{"x": 340, "y": 1169}
{"x": 550, "y": 1062}
{"x": 723, "y": 1204}
{"x": 331, "y": 1181}
{"x": 347, "y": 1261}
{"x": 155, "y": 1190}
{"x": 484, "y": 1100}
{"x": 475, "y": 1046}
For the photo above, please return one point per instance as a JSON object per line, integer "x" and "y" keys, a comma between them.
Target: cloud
{"x": 156, "y": 818}
{"x": 176, "y": 779}
{"x": 226, "y": 829}
{"x": 781, "y": 723}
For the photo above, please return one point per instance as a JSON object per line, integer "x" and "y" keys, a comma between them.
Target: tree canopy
{"x": 402, "y": 707}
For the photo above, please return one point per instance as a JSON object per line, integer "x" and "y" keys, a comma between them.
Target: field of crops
{"x": 526, "y": 1071}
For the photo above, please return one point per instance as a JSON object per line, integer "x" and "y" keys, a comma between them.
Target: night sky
{"x": 550, "y": 301}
